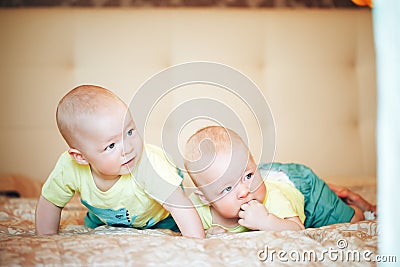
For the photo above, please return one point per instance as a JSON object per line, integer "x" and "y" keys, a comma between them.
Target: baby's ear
{"x": 77, "y": 156}
{"x": 202, "y": 197}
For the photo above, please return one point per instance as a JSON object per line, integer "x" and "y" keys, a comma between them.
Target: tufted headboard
{"x": 315, "y": 67}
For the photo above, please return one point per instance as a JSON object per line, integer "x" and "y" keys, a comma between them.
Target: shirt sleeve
{"x": 57, "y": 189}
{"x": 279, "y": 205}
{"x": 160, "y": 178}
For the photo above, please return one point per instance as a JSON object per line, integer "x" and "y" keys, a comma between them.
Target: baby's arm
{"x": 255, "y": 216}
{"x": 47, "y": 217}
{"x": 184, "y": 214}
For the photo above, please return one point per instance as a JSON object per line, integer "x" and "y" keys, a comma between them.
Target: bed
{"x": 273, "y": 47}
{"x": 339, "y": 245}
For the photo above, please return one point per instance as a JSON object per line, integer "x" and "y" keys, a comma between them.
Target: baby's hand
{"x": 253, "y": 214}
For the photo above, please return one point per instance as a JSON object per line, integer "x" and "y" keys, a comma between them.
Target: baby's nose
{"x": 244, "y": 192}
{"x": 128, "y": 148}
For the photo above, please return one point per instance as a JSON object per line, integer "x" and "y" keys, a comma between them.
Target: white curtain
{"x": 386, "y": 17}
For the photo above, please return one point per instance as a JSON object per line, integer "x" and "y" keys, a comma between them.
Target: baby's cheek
{"x": 260, "y": 194}
{"x": 225, "y": 208}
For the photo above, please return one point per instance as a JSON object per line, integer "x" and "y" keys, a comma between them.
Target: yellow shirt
{"x": 133, "y": 201}
{"x": 282, "y": 199}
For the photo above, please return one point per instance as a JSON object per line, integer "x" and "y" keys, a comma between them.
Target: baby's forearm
{"x": 255, "y": 216}
{"x": 47, "y": 217}
{"x": 189, "y": 222}
{"x": 184, "y": 214}
{"x": 274, "y": 223}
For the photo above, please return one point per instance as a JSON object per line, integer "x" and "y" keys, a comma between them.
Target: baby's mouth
{"x": 129, "y": 161}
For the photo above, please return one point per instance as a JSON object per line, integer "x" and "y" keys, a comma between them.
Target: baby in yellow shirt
{"x": 236, "y": 194}
{"x": 121, "y": 181}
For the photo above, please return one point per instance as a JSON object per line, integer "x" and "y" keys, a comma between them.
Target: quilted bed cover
{"x": 353, "y": 244}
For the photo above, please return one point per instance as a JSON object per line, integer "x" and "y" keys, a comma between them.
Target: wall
{"x": 315, "y": 67}
{"x": 183, "y": 3}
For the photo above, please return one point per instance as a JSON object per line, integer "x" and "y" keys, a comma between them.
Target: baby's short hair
{"x": 220, "y": 137}
{"x": 206, "y": 142}
{"x": 80, "y": 101}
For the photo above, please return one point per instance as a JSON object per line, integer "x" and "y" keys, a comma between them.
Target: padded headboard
{"x": 315, "y": 67}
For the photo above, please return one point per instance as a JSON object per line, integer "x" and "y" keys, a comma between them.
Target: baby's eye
{"x": 111, "y": 146}
{"x": 226, "y": 190}
{"x": 130, "y": 132}
{"x": 248, "y": 176}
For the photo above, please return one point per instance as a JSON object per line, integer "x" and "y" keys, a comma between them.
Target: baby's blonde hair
{"x": 80, "y": 101}
{"x": 208, "y": 141}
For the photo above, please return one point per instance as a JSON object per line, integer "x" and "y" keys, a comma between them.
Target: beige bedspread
{"x": 336, "y": 245}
